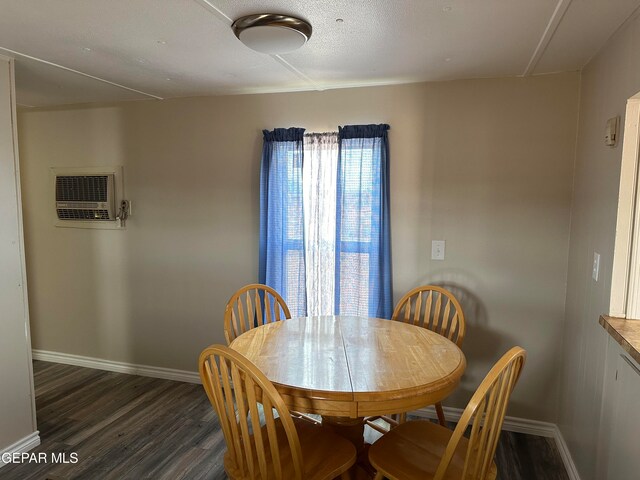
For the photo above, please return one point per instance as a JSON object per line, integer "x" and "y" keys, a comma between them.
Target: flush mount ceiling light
{"x": 272, "y": 33}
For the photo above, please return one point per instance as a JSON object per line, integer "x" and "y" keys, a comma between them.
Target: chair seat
{"x": 325, "y": 454}
{"x": 413, "y": 450}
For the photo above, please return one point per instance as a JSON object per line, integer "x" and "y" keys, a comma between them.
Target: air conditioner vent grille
{"x": 78, "y": 214}
{"x": 86, "y": 188}
{"x": 85, "y": 197}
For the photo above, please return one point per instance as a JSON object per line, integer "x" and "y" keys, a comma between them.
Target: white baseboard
{"x": 572, "y": 471}
{"x": 23, "y": 445}
{"x": 511, "y": 424}
{"x": 120, "y": 367}
{"x": 518, "y": 425}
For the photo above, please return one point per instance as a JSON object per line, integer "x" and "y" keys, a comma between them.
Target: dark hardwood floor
{"x": 131, "y": 427}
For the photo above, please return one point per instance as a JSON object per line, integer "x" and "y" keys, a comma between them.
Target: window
{"x": 325, "y": 245}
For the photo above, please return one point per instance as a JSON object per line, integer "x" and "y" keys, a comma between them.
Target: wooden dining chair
{"x": 425, "y": 450}
{"x": 251, "y": 306}
{"x": 434, "y": 308}
{"x": 438, "y": 310}
{"x": 283, "y": 448}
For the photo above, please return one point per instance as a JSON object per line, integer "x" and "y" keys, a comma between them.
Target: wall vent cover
{"x": 85, "y": 197}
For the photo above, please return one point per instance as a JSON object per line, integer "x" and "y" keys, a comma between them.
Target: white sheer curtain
{"x": 319, "y": 174}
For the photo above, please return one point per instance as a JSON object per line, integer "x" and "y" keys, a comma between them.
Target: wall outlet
{"x": 596, "y": 266}
{"x": 437, "y": 250}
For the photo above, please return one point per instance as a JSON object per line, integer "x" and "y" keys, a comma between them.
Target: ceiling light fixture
{"x": 272, "y": 33}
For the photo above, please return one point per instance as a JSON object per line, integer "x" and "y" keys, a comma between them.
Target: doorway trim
{"x": 624, "y": 301}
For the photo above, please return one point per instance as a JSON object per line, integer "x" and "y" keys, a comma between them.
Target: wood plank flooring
{"x": 131, "y": 427}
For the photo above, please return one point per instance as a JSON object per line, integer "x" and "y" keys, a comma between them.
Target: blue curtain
{"x": 281, "y": 261}
{"x": 363, "y": 238}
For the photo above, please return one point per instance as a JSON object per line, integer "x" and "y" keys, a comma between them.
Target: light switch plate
{"x": 437, "y": 249}
{"x": 596, "y": 266}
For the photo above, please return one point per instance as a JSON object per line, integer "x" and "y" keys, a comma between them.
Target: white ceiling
{"x": 77, "y": 51}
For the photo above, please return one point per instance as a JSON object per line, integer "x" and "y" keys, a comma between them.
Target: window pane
{"x": 294, "y": 196}
{"x": 354, "y": 284}
{"x": 294, "y": 267}
{"x": 357, "y": 194}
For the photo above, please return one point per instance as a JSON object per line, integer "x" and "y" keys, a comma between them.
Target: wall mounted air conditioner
{"x": 88, "y": 198}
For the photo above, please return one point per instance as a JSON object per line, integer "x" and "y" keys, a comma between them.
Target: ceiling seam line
{"x": 295, "y": 71}
{"x": 78, "y": 72}
{"x": 632, "y": 16}
{"x": 547, "y": 35}
{"x": 207, "y": 4}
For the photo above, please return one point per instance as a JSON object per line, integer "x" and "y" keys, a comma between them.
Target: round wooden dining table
{"x": 346, "y": 368}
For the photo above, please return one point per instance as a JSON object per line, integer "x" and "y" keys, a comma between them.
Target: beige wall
{"x": 607, "y": 82}
{"x": 484, "y": 164}
{"x": 17, "y": 408}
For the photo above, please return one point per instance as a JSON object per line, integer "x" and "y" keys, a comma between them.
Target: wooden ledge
{"x": 625, "y": 332}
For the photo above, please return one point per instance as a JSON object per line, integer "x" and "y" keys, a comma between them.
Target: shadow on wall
{"x": 482, "y": 345}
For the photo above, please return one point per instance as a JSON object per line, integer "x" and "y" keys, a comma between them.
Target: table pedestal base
{"x": 350, "y": 428}
{"x": 353, "y": 430}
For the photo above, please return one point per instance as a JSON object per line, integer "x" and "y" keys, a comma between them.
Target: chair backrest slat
{"x": 251, "y": 317}
{"x": 240, "y": 319}
{"x": 279, "y": 312}
{"x": 416, "y": 316}
{"x": 435, "y": 309}
{"x": 235, "y": 387}
{"x": 426, "y": 323}
{"x": 446, "y": 324}
{"x": 267, "y": 310}
{"x": 226, "y": 399}
{"x": 484, "y": 419}
{"x": 258, "y": 307}
{"x": 241, "y": 418}
{"x": 272, "y": 437}
{"x": 436, "y": 315}
{"x": 256, "y": 428}
{"x": 485, "y": 412}
{"x": 253, "y": 305}
{"x": 509, "y": 381}
{"x": 219, "y": 405}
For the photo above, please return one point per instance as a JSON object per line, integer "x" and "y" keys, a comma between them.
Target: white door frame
{"x": 625, "y": 278}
